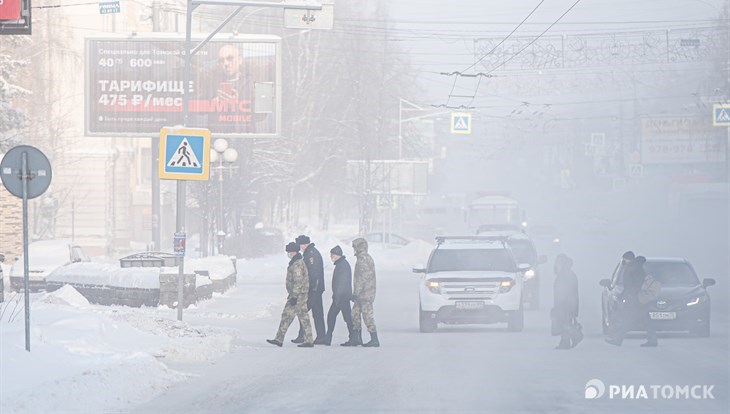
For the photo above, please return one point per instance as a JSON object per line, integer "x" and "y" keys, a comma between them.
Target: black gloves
{"x": 292, "y": 301}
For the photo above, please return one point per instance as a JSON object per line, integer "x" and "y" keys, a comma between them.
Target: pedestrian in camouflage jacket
{"x": 297, "y": 286}
{"x": 364, "y": 293}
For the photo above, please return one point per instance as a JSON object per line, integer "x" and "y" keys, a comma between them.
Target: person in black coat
{"x": 565, "y": 303}
{"x": 632, "y": 313}
{"x": 315, "y": 267}
{"x": 341, "y": 293}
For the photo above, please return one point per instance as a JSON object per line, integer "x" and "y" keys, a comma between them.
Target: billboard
{"x": 134, "y": 85}
{"x": 680, "y": 140}
{"x": 15, "y": 17}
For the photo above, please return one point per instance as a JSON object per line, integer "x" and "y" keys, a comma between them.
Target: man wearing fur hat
{"x": 297, "y": 285}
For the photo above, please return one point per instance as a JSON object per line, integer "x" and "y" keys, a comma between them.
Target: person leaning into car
{"x": 633, "y": 313}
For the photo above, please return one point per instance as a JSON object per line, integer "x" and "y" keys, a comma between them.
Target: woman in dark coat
{"x": 565, "y": 303}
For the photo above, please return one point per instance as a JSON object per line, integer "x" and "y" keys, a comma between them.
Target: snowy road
{"x": 457, "y": 369}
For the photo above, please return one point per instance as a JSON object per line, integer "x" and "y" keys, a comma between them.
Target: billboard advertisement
{"x": 680, "y": 140}
{"x": 134, "y": 85}
{"x": 15, "y": 17}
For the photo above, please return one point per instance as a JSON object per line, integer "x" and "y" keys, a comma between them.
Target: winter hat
{"x": 629, "y": 255}
{"x": 302, "y": 239}
{"x": 292, "y": 247}
{"x": 337, "y": 250}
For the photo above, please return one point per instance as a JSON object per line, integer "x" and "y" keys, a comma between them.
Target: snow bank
{"x": 103, "y": 274}
{"x": 94, "y": 356}
{"x": 218, "y": 267}
{"x": 68, "y": 296}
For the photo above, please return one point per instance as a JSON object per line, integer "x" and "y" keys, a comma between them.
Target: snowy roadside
{"x": 93, "y": 358}
{"x": 97, "y": 358}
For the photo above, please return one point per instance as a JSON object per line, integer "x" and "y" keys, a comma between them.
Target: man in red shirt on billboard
{"x": 9, "y": 9}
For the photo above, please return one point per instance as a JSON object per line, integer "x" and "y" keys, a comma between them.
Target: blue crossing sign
{"x": 461, "y": 123}
{"x": 721, "y": 115}
{"x": 184, "y": 154}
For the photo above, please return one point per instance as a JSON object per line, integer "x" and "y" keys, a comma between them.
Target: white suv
{"x": 471, "y": 279}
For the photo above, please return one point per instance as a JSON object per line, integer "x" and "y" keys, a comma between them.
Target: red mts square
{"x": 9, "y": 9}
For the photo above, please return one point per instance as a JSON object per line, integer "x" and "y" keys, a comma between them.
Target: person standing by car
{"x": 297, "y": 285}
{"x": 364, "y": 296}
{"x": 315, "y": 268}
{"x": 633, "y": 313}
{"x": 565, "y": 304}
{"x": 341, "y": 294}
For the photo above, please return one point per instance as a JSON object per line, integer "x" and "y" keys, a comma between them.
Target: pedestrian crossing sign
{"x": 461, "y": 123}
{"x": 721, "y": 115}
{"x": 184, "y": 153}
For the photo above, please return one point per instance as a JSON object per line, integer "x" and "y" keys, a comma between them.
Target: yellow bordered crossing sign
{"x": 461, "y": 123}
{"x": 184, "y": 153}
{"x": 721, "y": 115}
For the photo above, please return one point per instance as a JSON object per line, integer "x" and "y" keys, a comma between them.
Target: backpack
{"x": 650, "y": 290}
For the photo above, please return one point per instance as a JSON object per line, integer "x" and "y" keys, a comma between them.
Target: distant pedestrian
{"x": 297, "y": 286}
{"x": 565, "y": 304}
{"x": 315, "y": 267}
{"x": 341, "y": 294}
{"x": 633, "y": 312}
{"x": 364, "y": 295}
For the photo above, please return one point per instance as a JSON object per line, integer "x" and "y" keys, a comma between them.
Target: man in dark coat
{"x": 565, "y": 299}
{"x": 315, "y": 267}
{"x": 632, "y": 313}
{"x": 341, "y": 293}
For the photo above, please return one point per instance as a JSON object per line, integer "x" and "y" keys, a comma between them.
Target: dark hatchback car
{"x": 683, "y": 304}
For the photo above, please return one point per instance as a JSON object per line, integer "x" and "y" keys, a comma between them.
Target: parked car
{"x": 473, "y": 280}
{"x": 683, "y": 304}
{"x": 44, "y": 257}
{"x": 525, "y": 253}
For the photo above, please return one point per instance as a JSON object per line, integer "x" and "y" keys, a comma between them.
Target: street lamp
{"x": 224, "y": 157}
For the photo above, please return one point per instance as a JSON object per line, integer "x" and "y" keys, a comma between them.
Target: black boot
{"x": 564, "y": 343}
{"x": 300, "y": 338}
{"x": 324, "y": 340}
{"x": 274, "y": 342}
{"x": 355, "y": 339}
{"x": 374, "y": 343}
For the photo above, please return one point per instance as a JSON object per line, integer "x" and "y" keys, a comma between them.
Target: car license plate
{"x": 663, "y": 315}
{"x": 469, "y": 305}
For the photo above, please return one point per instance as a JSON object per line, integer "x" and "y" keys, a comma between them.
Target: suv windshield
{"x": 672, "y": 274}
{"x": 444, "y": 260}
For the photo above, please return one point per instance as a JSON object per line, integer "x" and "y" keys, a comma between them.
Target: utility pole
{"x": 154, "y": 158}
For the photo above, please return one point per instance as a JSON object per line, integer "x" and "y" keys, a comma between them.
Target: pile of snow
{"x": 90, "y": 273}
{"x": 108, "y": 358}
{"x": 67, "y": 296}
{"x": 218, "y": 267}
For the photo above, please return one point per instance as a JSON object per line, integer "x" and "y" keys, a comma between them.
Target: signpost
{"x": 184, "y": 155}
{"x": 720, "y": 118}
{"x": 26, "y": 173}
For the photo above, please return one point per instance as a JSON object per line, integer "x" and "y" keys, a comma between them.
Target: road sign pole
{"x": 24, "y": 176}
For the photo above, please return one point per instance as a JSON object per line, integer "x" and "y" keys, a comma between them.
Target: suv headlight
{"x": 433, "y": 286}
{"x": 697, "y": 300}
{"x": 530, "y": 274}
{"x": 506, "y": 285}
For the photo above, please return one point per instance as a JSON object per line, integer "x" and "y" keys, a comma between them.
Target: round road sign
{"x": 37, "y": 172}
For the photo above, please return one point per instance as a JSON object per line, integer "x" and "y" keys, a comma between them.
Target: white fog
{"x": 473, "y": 206}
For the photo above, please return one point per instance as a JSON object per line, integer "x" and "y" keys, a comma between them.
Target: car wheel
{"x": 516, "y": 321}
{"x": 426, "y": 324}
